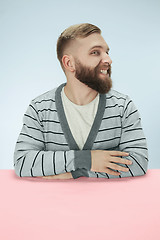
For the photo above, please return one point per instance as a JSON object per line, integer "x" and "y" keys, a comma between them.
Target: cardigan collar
{"x": 65, "y": 127}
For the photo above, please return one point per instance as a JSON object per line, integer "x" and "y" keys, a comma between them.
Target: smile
{"x": 104, "y": 71}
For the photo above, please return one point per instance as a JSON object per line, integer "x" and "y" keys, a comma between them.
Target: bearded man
{"x": 82, "y": 128}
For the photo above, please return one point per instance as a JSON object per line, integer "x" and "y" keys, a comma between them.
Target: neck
{"x": 78, "y": 92}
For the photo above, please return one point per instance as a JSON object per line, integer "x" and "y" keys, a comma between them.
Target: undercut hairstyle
{"x": 75, "y": 31}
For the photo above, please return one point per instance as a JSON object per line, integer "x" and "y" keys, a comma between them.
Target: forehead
{"x": 92, "y": 40}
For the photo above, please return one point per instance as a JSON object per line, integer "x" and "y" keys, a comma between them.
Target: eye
{"x": 95, "y": 52}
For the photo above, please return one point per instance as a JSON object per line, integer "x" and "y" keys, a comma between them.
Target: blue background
{"x": 29, "y": 66}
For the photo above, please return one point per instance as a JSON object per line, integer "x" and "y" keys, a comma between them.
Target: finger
{"x": 111, "y": 172}
{"x": 49, "y": 177}
{"x": 62, "y": 175}
{"x": 118, "y": 153}
{"x": 120, "y": 160}
{"x": 118, "y": 167}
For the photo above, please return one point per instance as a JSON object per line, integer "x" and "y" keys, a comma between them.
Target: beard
{"x": 90, "y": 77}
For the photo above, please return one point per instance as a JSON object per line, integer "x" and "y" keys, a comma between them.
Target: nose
{"x": 106, "y": 59}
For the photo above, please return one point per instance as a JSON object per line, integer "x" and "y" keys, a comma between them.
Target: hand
{"x": 67, "y": 175}
{"x": 103, "y": 160}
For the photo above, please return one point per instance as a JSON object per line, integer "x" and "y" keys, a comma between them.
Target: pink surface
{"x": 83, "y": 208}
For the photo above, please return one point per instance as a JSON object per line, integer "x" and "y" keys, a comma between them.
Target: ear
{"x": 68, "y": 63}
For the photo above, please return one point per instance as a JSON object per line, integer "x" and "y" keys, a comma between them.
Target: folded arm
{"x": 31, "y": 158}
{"x": 133, "y": 141}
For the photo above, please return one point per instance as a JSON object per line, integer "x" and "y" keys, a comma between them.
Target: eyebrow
{"x": 98, "y": 46}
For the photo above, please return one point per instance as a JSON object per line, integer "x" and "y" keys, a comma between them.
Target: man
{"x": 83, "y": 127}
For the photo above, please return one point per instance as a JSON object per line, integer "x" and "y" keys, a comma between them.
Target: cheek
{"x": 94, "y": 61}
{"x": 90, "y": 61}
{"x": 97, "y": 63}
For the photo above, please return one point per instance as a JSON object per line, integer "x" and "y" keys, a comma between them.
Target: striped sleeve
{"x": 133, "y": 141}
{"x": 31, "y": 159}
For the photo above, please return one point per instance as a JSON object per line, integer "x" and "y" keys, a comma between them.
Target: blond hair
{"x": 75, "y": 31}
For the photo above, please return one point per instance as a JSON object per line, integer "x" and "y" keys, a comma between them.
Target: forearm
{"x": 36, "y": 163}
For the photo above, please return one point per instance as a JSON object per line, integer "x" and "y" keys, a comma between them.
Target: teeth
{"x": 103, "y": 71}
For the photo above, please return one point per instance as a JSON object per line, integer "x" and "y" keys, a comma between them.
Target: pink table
{"x": 80, "y": 209}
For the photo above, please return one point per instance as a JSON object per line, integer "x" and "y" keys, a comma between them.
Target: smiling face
{"x": 92, "y": 63}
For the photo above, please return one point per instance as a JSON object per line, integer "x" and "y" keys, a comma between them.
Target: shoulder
{"x": 46, "y": 96}
{"x": 126, "y": 104}
{"x": 115, "y": 94}
{"x": 116, "y": 97}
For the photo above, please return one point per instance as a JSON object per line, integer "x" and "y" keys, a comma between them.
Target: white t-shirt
{"x": 80, "y": 117}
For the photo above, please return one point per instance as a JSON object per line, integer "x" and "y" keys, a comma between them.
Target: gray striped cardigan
{"x": 46, "y": 145}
